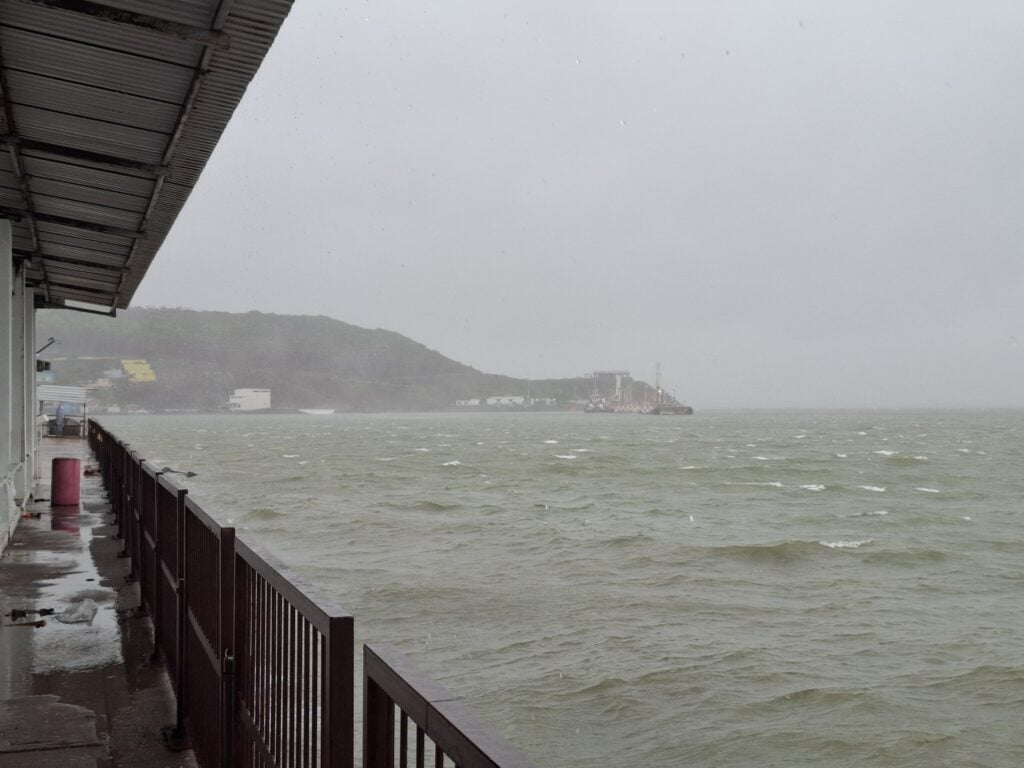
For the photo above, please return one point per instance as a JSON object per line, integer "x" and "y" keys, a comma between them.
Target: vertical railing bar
{"x": 419, "y": 748}
{"x": 278, "y": 667}
{"x": 256, "y": 705}
{"x": 300, "y": 622}
{"x": 271, "y": 669}
{"x": 314, "y": 693}
{"x": 225, "y": 639}
{"x": 293, "y": 699}
{"x": 251, "y": 658}
{"x": 158, "y": 621}
{"x": 325, "y": 749}
{"x": 298, "y": 691}
{"x": 438, "y": 757}
{"x": 240, "y": 634}
{"x": 403, "y": 739}
{"x": 262, "y": 671}
{"x": 253, "y": 691}
{"x": 286, "y": 699}
{"x": 286, "y": 703}
{"x": 265, "y": 673}
{"x": 179, "y": 673}
{"x": 307, "y": 708}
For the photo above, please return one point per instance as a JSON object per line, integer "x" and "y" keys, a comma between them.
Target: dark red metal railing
{"x": 262, "y": 666}
{"x": 294, "y": 668}
{"x": 396, "y": 692}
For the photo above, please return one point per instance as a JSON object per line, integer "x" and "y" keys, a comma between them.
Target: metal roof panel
{"x": 68, "y": 25}
{"x": 96, "y": 103}
{"x": 91, "y": 65}
{"x": 197, "y": 13}
{"x": 74, "y": 131}
{"x": 114, "y": 121}
{"x": 41, "y": 167}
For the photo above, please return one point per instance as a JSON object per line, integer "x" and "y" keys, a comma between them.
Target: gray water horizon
{"x": 793, "y": 587}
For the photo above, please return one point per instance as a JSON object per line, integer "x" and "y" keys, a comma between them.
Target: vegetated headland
{"x": 193, "y": 361}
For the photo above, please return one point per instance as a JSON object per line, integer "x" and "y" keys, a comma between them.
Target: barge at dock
{"x": 614, "y": 392}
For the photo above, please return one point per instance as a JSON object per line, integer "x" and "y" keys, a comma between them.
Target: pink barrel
{"x": 66, "y": 482}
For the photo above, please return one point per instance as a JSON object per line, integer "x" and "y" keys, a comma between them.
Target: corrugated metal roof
{"x": 54, "y": 393}
{"x": 109, "y": 111}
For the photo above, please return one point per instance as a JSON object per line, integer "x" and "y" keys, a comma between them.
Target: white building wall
{"x": 506, "y": 400}
{"x": 20, "y": 356}
{"x": 249, "y": 400}
{"x": 8, "y": 509}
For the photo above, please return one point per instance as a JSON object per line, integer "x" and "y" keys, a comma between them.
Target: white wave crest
{"x": 875, "y": 488}
{"x": 845, "y": 544}
{"x": 886, "y": 453}
{"x": 813, "y": 487}
{"x": 927, "y": 490}
{"x": 454, "y": 463}
{"x": 565, "y": 456}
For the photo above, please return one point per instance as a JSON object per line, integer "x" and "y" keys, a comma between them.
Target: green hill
{"x": 199, "y": 358}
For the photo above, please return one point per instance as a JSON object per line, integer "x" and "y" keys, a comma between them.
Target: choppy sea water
{"x": 726, "y": 589}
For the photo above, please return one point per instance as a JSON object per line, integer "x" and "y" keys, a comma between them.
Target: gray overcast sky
{"x": 785, "y": 203}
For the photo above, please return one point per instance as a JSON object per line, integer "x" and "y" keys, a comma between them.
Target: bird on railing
{"x": 169, "y": 471}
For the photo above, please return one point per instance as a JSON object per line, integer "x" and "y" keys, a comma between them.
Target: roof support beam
{"x": 82, "y": 155}
{"x": 42, "y": 303}
{"x": 80, "y": 289}
{"x": 17, "y": 214}
{"x": 40, "y": 256}
{"x": 139, "y": 21}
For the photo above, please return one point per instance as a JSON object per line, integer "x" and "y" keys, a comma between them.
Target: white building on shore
{"x": 249, "y": 400}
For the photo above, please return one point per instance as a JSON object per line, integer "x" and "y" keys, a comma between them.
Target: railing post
{"x": 226, "y": 632}
{"x": 179, "y": 673}
{"x": 158, "y": 624}
{"x": 182, "y": 586}
{"x": 338, "y": 716}
{"x": 227, "y": 714}
{"x": 378, "y": 725}
{"x": 181, "y": 612}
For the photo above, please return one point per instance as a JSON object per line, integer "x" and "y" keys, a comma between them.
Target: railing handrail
{"x": 317, "y": 609}
{"x": 170, "y": 484}
{"x": 439, "y": 713}
{"x": 193, "y": 506}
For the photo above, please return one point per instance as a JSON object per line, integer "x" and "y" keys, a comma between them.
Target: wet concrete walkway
{"x": 78, "y": 694}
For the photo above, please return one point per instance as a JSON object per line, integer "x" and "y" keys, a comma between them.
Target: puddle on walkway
{"x": 77, "y": 647}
